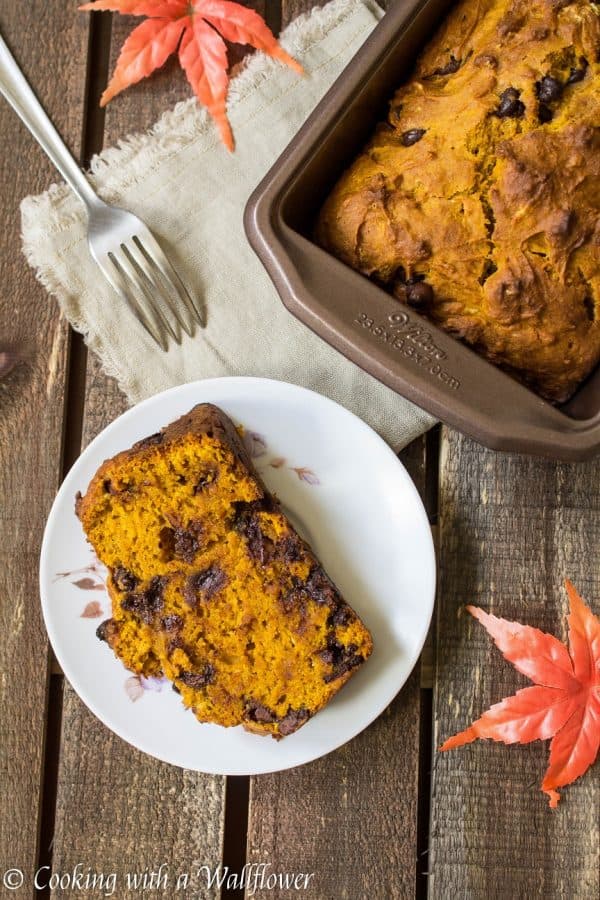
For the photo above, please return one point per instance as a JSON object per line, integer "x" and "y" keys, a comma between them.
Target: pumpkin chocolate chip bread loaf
{"x": 478, "y": 201}
{"x": 211, "y": 585}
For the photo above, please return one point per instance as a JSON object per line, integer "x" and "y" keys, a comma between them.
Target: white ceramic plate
{"x": 343, "y": 488}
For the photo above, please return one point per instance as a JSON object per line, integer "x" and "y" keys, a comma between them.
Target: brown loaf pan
{"x": 370, "y": 327}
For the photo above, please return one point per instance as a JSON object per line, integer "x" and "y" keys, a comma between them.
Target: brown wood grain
{"x": 351, "y": 817}
{"x": 31, "y": 421}
{"x": 292, "y": 8}
{"x": 512, "y": 529}
{"x": 119, "y": 810}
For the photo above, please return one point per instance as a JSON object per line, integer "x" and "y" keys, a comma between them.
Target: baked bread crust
{"x": 211, "y": 585}
{"x": 478, "y": 201}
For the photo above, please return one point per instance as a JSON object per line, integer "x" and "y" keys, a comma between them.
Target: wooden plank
{"x": 45, "y": 39}
{"x": 512, "y": 528}
{"x": 351, "y": 817}
{"x": 115, "y": 806}
{"x": 292, "y": 8}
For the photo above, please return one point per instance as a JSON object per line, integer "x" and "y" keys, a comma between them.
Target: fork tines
{"x": 138, "y": 270}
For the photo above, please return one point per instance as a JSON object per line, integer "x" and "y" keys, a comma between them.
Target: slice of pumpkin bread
{"x": 210, "y": 583}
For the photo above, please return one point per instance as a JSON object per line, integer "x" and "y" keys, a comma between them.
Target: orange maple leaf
{"x": 564, "y": 703}
{"x": 194, "y": 28}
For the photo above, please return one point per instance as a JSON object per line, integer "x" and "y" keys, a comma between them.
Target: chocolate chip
{"x": 206, "y": 583}
{"x": 419, "y": 295}
{"x": 255, "y": 538}
{"x": 578, "y": 74}
{"x": 176, "y": 643}
{"x": 335, "y": 652}
{"x": 321, "y": 589}
{"x": 185, "y": 545}
{"x": 545, "y": 114}
{"x": 510, "y": 107}
{"x": 350, "y": 663}
{"x": 399, "y": 283}
{"x": 408, "y": 138}
{"x": 242, "y": 509}
{"x": 257, "y": 712}
{"x": 109, "y": 487}
{"x": 293, "y": 719}
{"x": 247, "y": 523}
{"x": 452, "y": 66}
{"x": 400, "y": 275}
{"x": 340, "y": 616}
{"x": 145, "y": 604}
{"x": 339, "y": 657}
{"x": 180, "y": 543}
{"x": 291, "y": 548}
{"x": 199, "y": 679}
{"x": 295, "y": 598}
{"x": 317, "y": 587}
{"x": 124, "y": 579}
{"x": 172, "y": 622}
{"x": 106, "y": 630}
{"x": 548, "y": 89}
{"x": 175, "y": 688}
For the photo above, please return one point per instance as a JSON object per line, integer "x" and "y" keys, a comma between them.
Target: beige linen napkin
{"x": 192, "y": 192}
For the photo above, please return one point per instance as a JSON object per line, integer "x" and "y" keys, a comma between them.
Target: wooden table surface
{"x": 383, "y": 817}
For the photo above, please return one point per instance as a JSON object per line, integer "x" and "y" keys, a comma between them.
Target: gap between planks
{"x": 91, "y": 142}
{"x": 427, "y": 669}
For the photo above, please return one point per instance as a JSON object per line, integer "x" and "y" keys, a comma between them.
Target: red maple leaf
{"x": 564, "y": 703}
{"x": 194, "y": 28}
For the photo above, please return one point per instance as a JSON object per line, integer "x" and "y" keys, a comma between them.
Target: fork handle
{"x": 19, "y": 94}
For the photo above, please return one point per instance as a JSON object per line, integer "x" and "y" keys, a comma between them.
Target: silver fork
{"x": 124, "y": 248}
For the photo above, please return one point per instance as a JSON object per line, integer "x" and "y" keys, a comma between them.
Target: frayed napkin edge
{"x": 59, "y": 208}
